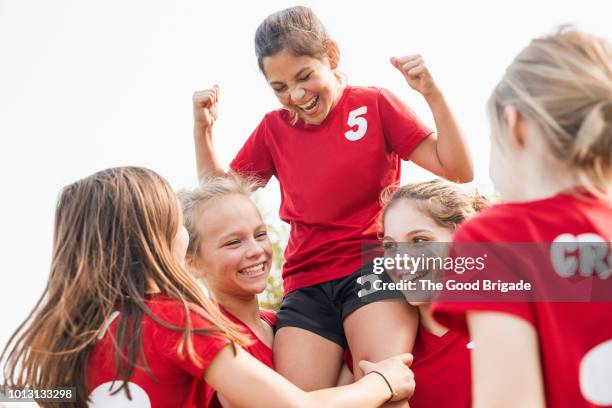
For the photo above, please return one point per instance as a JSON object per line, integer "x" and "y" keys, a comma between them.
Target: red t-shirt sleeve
{"x": 167, "y": 341}
{"x": 402, "y": 127}
{"x": 453, "y": 314}
{"x": 254, "y": 158}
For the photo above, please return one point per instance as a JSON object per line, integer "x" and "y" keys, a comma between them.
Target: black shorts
{"x": 322, "y": 308}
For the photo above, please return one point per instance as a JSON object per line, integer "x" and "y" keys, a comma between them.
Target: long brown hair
{"x": 112, "y": 239}
{"x": 295, "y": 29}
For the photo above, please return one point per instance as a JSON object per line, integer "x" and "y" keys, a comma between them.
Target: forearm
{"x": 451, "y": 147}
{"x": 207, "y": 162}
{"x": 243, "y": 381}
{"x": 370, "y": 391}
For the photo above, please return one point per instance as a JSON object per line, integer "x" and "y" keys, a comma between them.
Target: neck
{"x": 548, "y": 183}
{"x": 428, "y": 321}
{"x": 340, "y": 85}
{"x": 538, "y": 174}
{"x": 244, "y": 308}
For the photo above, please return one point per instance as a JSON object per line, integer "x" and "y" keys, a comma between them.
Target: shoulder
{"x": 174, "y": 312}
{"x": 501, "y": 223}
{"x": 522, "y": 221}
{"x": 167, "y": 328}
{"x": 373, "y": 93}
{"x": 387, "y": 103}
{"x": 377, "y": 100}
{"x": 277, "y": 117}
{"x": 364, "y": 90}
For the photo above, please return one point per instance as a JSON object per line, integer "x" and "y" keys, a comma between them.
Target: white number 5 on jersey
{"x": 355, "y": 119}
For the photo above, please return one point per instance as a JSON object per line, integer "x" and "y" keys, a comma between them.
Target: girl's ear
{"x": 515, "y": 123}
{"x": 333, "y": 54}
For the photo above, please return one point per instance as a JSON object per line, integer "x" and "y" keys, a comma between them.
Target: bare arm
{"x": 506, "y": 368}
{"x": 446, "y": 153}
{"x": 245, "y": 382}
{"x": 204, "y": 115}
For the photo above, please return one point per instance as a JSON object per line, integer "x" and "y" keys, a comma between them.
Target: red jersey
{"x": 441, "y": 370}
{"x": 260, "y": 350}
{"x": 331, "y": 176}
{"x": 175, "y": 377}
{"x": 575, "y": 339}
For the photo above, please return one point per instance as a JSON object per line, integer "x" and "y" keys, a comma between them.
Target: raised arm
{"x": 204, "y": 116}
{"x": 245, "y": 382}
{"x": 446, "y": 153}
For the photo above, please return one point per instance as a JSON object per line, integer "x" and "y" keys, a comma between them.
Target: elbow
{"x": 466, "y": 177}
{"x": 460, "y": 177}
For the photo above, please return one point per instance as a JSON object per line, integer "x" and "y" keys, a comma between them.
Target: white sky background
{"x": 87, "y": 85}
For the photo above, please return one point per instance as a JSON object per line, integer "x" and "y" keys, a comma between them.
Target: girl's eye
{"x": 262, "y": 234}
{"x": 418, "y": 239}
{"x": 305, "y": 78}
{"x": 280, "y": 89}
{"x": 232, "y": 243}
{"x": 389, "y": 245}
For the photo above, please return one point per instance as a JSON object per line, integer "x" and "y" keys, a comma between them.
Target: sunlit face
{"x": 235, "y": 252}
{"x": 404, "y": 223}
{"x": 181, "y": 241}
{"x": 303, "y": 84}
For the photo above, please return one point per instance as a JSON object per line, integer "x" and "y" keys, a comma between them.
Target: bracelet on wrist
{"x": 386, "y": 382}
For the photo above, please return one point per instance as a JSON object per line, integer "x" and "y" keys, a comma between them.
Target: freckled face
{"x": 303, "y": 84}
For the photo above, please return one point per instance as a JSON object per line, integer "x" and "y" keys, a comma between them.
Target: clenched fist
{"x": 416, "y": 73}
{"x": 205, "y": 105}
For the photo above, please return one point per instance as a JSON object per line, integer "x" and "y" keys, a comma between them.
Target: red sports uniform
{"x": 575, "y": 339}
{"x": 175, "y": 377}
{"x": 441, "y": 370}
{"x": 260, "y": 350}
{"x": 331, "y": 176}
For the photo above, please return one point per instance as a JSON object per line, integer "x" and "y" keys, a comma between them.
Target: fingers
{"x": 401, "y": 61}
{"x": 216, "y": 90}
{"x": 409, "y": 63}
{"x": 396, "y": 373}
{"x": 412, "y": 65}
{"x": 407, "y": 58}
{"x": 416, "y": 71}
{"x": 394, "y": 62}
{"x": 406, "y": 358}
{"x": 366, "y": 366}
{"x": 206, "y": 98}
